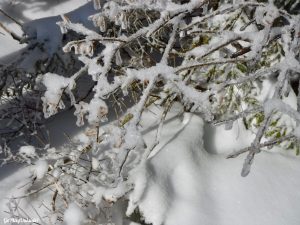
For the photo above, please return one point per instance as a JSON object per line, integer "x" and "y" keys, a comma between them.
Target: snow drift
{"x": 185, "y": 184}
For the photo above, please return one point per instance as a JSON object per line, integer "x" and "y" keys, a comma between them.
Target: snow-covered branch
{"x": 210, "y": 59}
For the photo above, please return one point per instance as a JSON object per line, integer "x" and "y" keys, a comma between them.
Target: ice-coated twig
{"x": 242, "y": 114}
{"x": 222, "y": 10}
{"x": 255, "y": 145}
{"x": 262, "y": 145}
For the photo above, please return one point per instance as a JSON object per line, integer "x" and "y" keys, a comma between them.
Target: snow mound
{"x": 182, "y": 183}
{"x": 170, "y": 182}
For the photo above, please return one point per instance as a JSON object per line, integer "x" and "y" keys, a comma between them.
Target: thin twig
{"x": 11, "y": 18}
{"x": 262, "y": 145}
{"x": 209, "y": 63}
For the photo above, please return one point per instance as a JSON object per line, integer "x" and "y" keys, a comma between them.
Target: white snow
{"x": 40, "y": 169}
{"x": 95, "y": 163}
{"x": 10, "y": 186}
{"x": 27, "y": 151}
{"x": 96, "y": 110}
{"x": 28, "y": 10}
{"x": 52, "y": 100}
{"x": 183, "y": 183}
{"x": 297, "y": 132}
{"x": 279, "y": 105}
{"x": 74, "y": 215}
{"x": 266, "y": 15}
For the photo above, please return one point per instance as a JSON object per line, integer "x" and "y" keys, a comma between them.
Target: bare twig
{"x": 11, "y": 18}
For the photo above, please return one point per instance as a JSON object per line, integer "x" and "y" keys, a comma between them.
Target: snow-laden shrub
{"x": 212, "y": 58}
{"x": 21, "y": 112}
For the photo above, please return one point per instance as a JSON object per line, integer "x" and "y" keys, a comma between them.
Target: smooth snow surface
{"x": 185, "y": 184}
